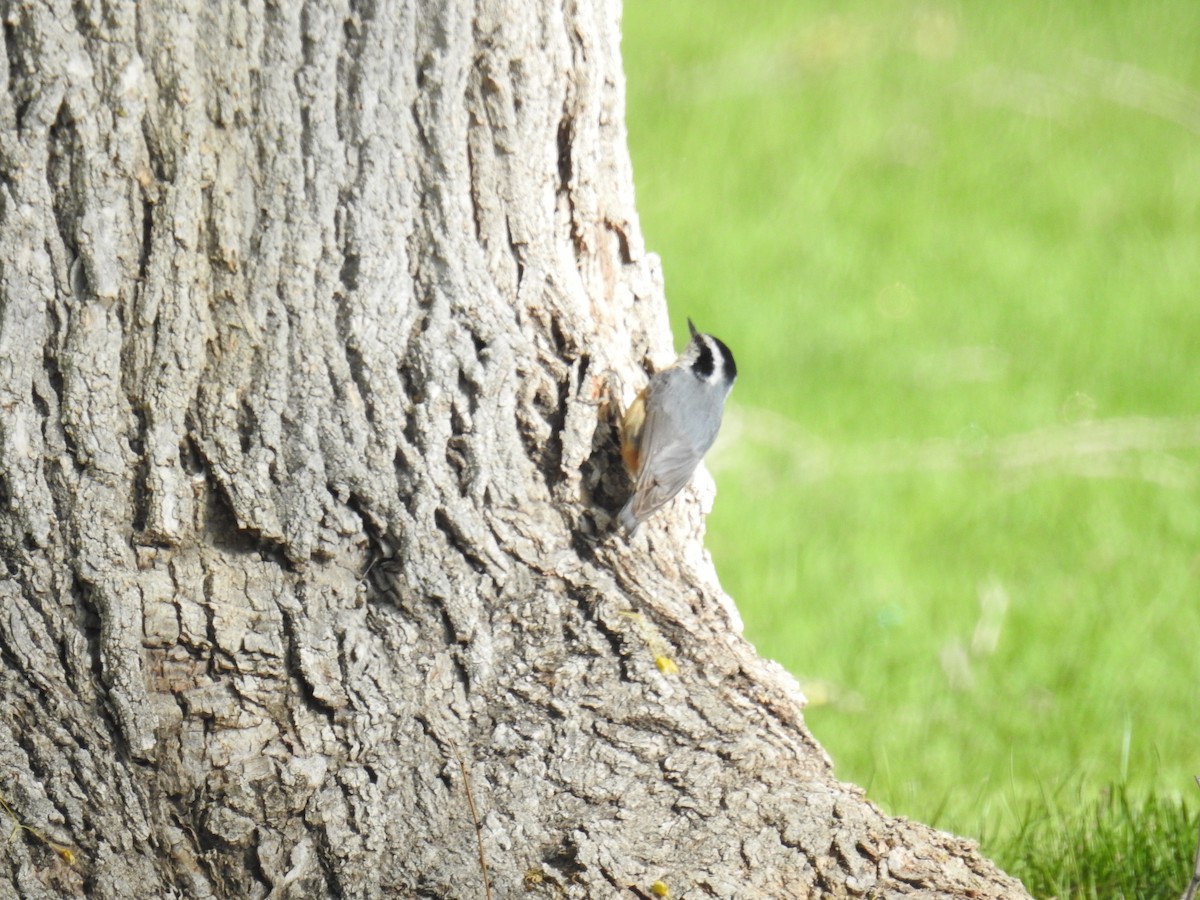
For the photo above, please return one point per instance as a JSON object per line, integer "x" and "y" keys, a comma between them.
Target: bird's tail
{"x": 628, "y": 520}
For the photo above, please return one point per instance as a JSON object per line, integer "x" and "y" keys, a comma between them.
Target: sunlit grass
{"x": 1111, "y": 846}
{"x": 956, "y": 249}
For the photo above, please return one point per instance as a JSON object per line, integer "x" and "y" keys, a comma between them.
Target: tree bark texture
{"x": 308, "y": 317}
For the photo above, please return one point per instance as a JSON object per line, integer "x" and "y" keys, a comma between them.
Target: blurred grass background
{"x": 955, "y": 248}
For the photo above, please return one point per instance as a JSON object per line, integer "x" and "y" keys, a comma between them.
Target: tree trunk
{"x": 308, "y": 314}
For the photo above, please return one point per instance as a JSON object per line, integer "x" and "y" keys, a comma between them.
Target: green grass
{"x": 1114, "y": 847}
{"x": 956, "y": 249}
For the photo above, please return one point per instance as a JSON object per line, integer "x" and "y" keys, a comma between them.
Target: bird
{"x": 672, "y": 423}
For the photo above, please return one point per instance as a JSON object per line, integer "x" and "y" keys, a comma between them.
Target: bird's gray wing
{"x": 669, "y": 457}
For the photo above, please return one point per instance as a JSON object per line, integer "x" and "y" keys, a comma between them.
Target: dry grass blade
{"x": 487, "y": 885}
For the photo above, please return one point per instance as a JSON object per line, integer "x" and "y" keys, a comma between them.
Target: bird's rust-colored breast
{"x": 631, "y": 434}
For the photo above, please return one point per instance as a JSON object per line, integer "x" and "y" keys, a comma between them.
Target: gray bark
{"x": 307, "y": 314}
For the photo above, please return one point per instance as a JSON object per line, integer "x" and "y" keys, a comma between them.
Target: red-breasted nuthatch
{"x": 669, "y": 427}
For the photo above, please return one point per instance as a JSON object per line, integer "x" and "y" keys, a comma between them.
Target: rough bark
{"x": 306, "y": 316}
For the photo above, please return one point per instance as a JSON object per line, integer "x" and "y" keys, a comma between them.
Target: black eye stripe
{"x": 703, "y": 366}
